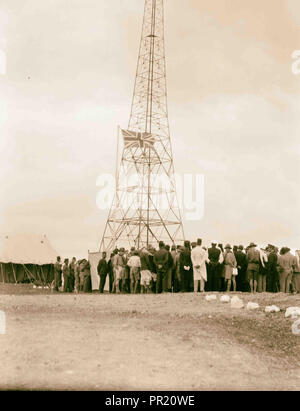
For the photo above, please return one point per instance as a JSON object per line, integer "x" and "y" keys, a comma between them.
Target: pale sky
{"x": 233, "y": 104}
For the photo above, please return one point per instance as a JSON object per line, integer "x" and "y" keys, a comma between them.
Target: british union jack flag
{"x": 134, "y": 139}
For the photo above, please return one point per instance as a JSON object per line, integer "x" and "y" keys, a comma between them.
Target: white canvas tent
{"x": 26, "y": 257}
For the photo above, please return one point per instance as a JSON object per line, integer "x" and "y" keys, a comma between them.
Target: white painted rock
{"x": 292, "y": 312}
{"x": 34, "y": 286}
{"x": 272, "y": 309}
{"x": 225, "y": 299}
{"x": 236, "y": 302}
{"x": 252, "y": 306}
{"x": 211, "y": 297}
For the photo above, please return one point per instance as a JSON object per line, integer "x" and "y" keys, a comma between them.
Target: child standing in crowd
{"x": 146, "y": 275}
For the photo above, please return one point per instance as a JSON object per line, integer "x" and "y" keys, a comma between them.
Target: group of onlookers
{"x": 196, "y": 268}
{"x": 187, "y": 268}
{"x": 73, "y": 276}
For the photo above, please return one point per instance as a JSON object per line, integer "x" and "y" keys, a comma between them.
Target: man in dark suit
{"x": 167, "y": 280}
{"x": 241, "y": 281}
{"x": 111, "y": 273}
{"x": 102, "y": 272}
{"x": 186, "y": 266}
{"x": 161, "y": 260}
{"x": 272, "y": 277}
{"x": 213, "y": 268}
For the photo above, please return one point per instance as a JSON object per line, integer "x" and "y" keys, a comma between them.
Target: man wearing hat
{"x": 167, "y": 280}
{"x": 185, "y": 267}
{"x": 253, "y": 260}
{"x": 241, "y": 283}
{"x": 161, "y": 260}
{"x": 120, "y": 263}
{"x": 214, "y": 268}
{"x": 272, "y": 276}
{"x": 199, "y": 258}
{"x": 263, "y": 271}
{"x": 102, "y": 270}
{"x": 177, "y": 278}
{"x": 230, "y": 264}
{"x": 153, "y": 270}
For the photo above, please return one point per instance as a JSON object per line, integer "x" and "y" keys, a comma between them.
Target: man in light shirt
{"x": 134, "y": 263}
{"x": 286, "y": 264}
{"x": 199, "y": 257}
{"x": 119, "y": 264}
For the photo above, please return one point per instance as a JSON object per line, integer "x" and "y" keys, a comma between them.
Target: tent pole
{"x": 44, "y": 279}
{"x": 27, "y": 271}
{"x": 38, "y": 274}
{"x": 14, "y": 272}
{"x": 27, "y": 276}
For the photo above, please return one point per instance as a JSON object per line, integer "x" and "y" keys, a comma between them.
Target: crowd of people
{"x": 74, "y": 276}
{"x": 188, "y": 268}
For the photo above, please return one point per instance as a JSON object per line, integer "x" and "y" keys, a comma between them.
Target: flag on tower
{"x": 136, "y": 139}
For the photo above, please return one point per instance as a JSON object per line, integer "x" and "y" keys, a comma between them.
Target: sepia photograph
{"x": 149, "y": 198}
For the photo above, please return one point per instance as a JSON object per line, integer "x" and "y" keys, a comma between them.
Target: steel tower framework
{"x": 145, "y": 209}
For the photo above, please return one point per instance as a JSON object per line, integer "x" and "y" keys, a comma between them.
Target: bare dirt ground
{"x": 145, "y": 342}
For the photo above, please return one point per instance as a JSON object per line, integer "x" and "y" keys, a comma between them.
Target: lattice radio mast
{"x": 145, "y": 208}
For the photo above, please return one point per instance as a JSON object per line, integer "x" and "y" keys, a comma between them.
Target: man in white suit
{"x": 199, "y": 258}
